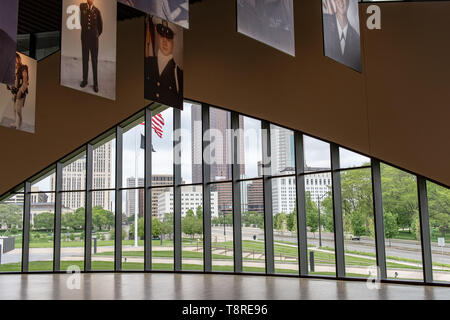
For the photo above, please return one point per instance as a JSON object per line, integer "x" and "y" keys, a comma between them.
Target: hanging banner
{"x": 163, "y": 67}
{"x": 88, "y": 46}
{"x": 175, "y": 11}
{"x": 268, "y": 21}
{"x": 341, "y": 32}
{"x": 18, "y": 101}
{"x": 8, "y": 39}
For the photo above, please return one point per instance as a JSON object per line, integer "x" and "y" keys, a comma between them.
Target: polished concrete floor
{"x": 162, "y": 286}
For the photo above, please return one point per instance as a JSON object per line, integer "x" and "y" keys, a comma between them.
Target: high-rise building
{"x": 74, "y": 178}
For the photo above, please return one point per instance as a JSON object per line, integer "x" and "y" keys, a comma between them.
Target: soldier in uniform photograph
{"x": 163, "y": 77}
{"x": 342, "y": 42}
{"x": 91, "y": 29}
{"x": 19, "y": 91}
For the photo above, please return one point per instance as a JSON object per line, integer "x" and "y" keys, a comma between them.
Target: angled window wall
{"x": 205, "y": 189}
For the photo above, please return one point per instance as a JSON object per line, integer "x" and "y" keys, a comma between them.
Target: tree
{"x": 140, "y": 228}
{"x": 43, "y": 221}
{"x": 291, "y": 222}
{"x": 358, "y": 223}
{"x": 439, "y": 208}
{"x": 312, "y": 214}
{"x": 102, "y": 218}
{"x": 399, "y": 195}
{"x": 280, "y": 221}
{"x": 192, "y": 225}
{"x": 156, "y": 227}
{"x": 390, "y": 226}
{"x": 11, "y": 215}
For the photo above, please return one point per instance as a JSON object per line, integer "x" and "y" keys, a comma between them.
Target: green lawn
{"x": 165, "y": 254}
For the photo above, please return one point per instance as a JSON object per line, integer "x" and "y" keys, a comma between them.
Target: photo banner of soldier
{"x": 18, "y": 101}
{"x": 163, "y": 64}
{"x": 268, "y": 21}
{"x": 88, "y": 46}
{"x": 341, "y": 33}
{"x": 8, "y": 39}
{"x": 175, "y": 11}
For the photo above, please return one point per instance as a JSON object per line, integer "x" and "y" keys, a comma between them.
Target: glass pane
{"x": 103, "y": 224}
{"x": 439, "y": 210}
{"x": 133, "y": 229}
{"x": 191, "y": 144}
{"x": 162, "y": 229}
{"x": 252, "y": 206}
{"x": 317, "y": 154}
{"x": 192, "y": 227}
{"x": 320, "y": 224}
{"x": 72, "y": 233}
{"x": 133, "y": 155}
{"x": 220, "y": 146}
{"x": 41, "y": 232}
{"x": 285, "y": 225}
{"x": 104, "y": 164}
{"x": 252, "y": 147}
{"x": 162, "y": 155}
{"x": 283, "y": 154}
{"x": 45, "y": 183}
{"x": 358, "y": 219}
{"x": 74, "y": 174}
{"x": 350, "y": 159}
{"x": 222, "y": 227}
{"x": 11, "y": 222}
{"x": 401, "y": 224}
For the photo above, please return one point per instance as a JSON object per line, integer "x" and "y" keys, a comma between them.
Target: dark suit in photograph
{"x": 352, "y": 52}
{"x": 166, "y": 88}
{"x": 91, "y": 29}
{"x": 7, "y": 58}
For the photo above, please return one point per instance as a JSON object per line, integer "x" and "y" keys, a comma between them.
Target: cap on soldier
{"x": 164, "y": 30}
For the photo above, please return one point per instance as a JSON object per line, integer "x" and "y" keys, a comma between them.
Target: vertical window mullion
{"x": 118, "y": 206}
{"x": 26, "y": 227}
{"x": 425, "y": 229}
{"x": 88, "y": 211}
{"x": 58, "y": 213}
{"x": 267, "y": 198}
{"x": 148, "y": 192}
{"x": 302, "y": 240}
{"x": 177, "y": 188}
{"x": 236, "y": 195}
{"x": 337, "y": 210}
{"x": 206, "y": 170}
{"x": 378, "y": 219}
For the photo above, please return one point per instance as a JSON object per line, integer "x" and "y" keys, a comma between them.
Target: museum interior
{"x": 280, "y": 177}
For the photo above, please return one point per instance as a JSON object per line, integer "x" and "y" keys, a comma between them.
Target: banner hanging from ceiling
{"x": 268, "y": 21}
{"x": 175, "y": 11}
{"x": 8, "y": 39}
{"x": 163, "y": 66}
{"x": 18, "y": 101}
{"x": 341, "y": 32}
{"x": 88, "y": 46}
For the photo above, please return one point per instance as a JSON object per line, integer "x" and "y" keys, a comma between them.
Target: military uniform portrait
{"x": 88, "y": 46}
{"x": 8, "y": 40}
{"x": 18, "y": 101}
{"x": 175, "y": 11}
{"x": 163, "y": 65}
{"x": 341, "y": 33}
{"x": 268, "y": 21}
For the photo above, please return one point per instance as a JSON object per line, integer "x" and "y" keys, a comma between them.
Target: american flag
{"x": 329, "y": 7}
{"x": 157, "y": 124}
